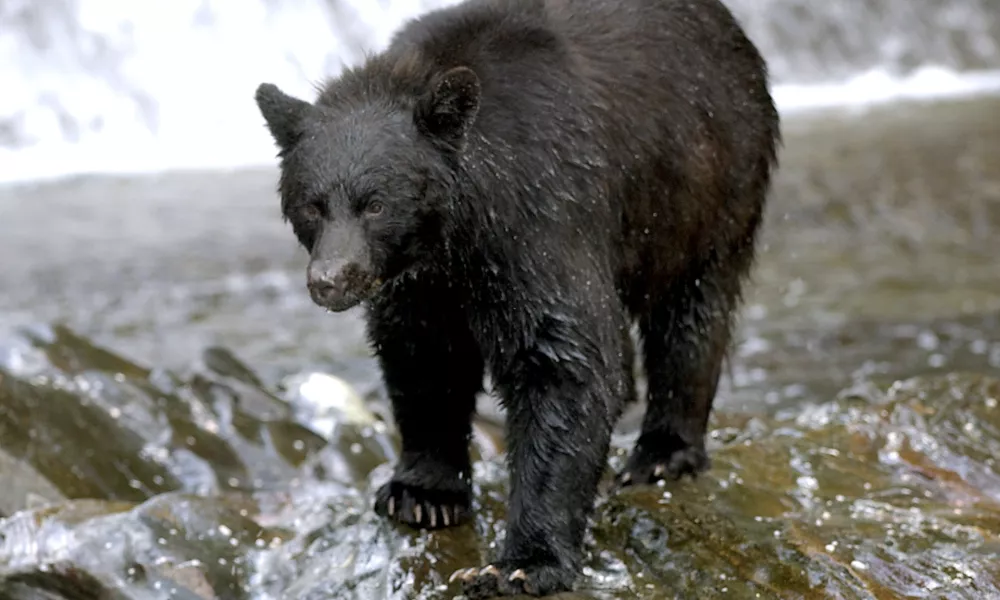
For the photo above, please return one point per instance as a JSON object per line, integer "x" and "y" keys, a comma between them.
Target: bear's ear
{"x": 448, "y": 110}
{"x": 282, "y": 112}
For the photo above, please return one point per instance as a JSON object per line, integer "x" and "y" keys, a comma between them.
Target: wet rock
{"x": 56, "y": 583}
{"x": 174, "y": 545}
{"x": 23, "y": 486}
{"x": 879, "y": 492}
{"x": 91, "y": 424}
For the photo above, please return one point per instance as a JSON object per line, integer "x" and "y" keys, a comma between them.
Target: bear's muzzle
{"x": 338, "y": 285}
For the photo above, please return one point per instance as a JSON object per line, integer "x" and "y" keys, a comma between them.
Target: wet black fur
{"x": 609, "y": 161}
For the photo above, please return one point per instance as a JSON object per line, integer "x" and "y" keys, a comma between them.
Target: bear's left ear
{"x": 448, "y": 110}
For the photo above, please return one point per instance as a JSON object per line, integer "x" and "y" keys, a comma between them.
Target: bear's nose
{"x": 327, "y": 283}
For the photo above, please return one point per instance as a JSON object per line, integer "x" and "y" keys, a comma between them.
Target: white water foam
{"x": 171, "y": 86}
{"x": 879, "y": 87}
{"x": 173, "y": 96}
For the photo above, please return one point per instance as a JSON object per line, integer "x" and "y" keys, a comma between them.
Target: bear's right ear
{"x": 448, "y": 110}
{"x": 283, "y": 114}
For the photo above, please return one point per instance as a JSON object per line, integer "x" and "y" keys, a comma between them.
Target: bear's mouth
{"x": 342, "y": 303}
{"x": 349, "y": 298}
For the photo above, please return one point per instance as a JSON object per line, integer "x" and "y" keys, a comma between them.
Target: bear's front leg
{"x": 562, "y": 394}
{"x": 432, "y": 370}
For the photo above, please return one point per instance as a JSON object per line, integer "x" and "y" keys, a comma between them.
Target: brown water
{"x": 853, "y": 443}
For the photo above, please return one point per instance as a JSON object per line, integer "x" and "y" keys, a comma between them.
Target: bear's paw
{"x": 651, "y": 463}
{"x": 510, "y": 578}
{"x": 420, "y": 507}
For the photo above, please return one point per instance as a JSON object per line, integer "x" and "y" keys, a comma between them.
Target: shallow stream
{"x": 178, "y": 420}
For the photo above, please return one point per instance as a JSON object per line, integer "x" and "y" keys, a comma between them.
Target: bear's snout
{"x": 337, "y": 285}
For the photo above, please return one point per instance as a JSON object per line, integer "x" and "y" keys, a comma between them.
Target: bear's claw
{"x": 648, "y": 466}
{"x": 419, "y": 507}
{"x": 503, "y": 579}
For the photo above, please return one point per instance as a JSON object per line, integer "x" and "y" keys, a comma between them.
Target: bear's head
{"x": 366, "y": 181}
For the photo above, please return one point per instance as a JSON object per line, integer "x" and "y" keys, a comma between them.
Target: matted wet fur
{"x": 507, "y": 187}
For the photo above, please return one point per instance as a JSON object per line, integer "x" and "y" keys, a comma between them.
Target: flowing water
{"x": 177, "y": 420}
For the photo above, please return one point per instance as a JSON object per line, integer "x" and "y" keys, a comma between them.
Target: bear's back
{"x": 638, "y": 114}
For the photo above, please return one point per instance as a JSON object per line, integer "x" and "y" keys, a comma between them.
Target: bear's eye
{"x": 374, "y": 209}
{"x": 310, "y": 212}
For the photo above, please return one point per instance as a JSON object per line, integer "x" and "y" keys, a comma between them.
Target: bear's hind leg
{"x": 686, "y": 333}
{"x": 433, "y": 370}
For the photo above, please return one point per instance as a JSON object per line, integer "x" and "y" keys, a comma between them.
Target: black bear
{"x": 508, "y": 186}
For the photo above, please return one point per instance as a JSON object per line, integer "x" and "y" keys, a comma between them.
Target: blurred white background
{"x": 147, "y": 85}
